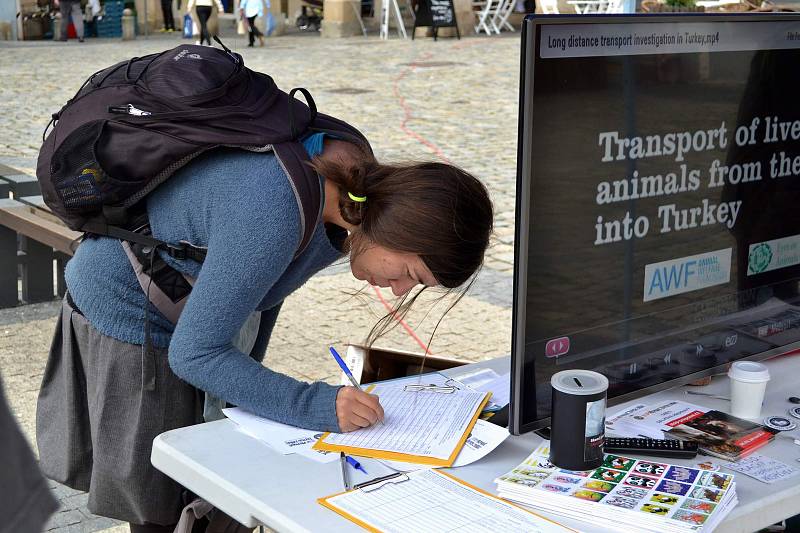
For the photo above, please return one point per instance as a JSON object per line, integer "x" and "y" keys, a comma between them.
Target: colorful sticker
{"x": 682, "y": 474}
{"x": 532, "y": 473}
{"x": 612, "y": 476}
{"x": 525, "y": 482}
{"x": 664, "y": 499}
{"x": 689, "y": 517}
{"x": 673, "y": 487}
{"x": 601, "y": 486}
{"x": 618, "y": 463}
{"x": 619, "y": 501}
{"x": 552, "y": 487}
{"x": 715, "y": 479}
{"x": 706, "y": 493}
{"x": 649, "y": 469}
{"x": 630, "y": 492}
{"x": 562, "y": 478}
{"x": 698, "y": 506}
{"x": 588, "y": 495}
{"x": 540, "y": 462}
{"x": 650, "y": 508}
{"x": 581, "y": 473}
{"x": 640, "y": 481}
{"x": 710, "y": 466}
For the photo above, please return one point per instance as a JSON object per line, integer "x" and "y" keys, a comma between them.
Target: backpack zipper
{"x": 128, "y": 110}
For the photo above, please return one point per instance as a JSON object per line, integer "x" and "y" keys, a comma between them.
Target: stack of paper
{"x": 280, "y": 437}
{"x": 624, "y": 494}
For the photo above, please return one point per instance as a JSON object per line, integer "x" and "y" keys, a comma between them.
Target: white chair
{"x": 500, "y": 18}
{"x": 485, "y": 13}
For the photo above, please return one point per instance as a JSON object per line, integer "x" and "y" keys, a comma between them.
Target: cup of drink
{"x": 748, "y": 385}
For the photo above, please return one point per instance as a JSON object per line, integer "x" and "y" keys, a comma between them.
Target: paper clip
{"x": 379, "y": 482}
{"x": 450, "y": 386}
{"x": 443, "y": 389}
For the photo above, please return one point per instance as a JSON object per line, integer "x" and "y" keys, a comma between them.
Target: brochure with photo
{"x": 722, "y": 435}
{"x": 718, "y": 434}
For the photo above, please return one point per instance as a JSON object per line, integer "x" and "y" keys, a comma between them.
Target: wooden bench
{"x": 31, "y": 239}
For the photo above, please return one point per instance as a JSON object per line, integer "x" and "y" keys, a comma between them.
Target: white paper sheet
{"x": 483, "y": 439}
{"x": 428, "y": 424}
{"x": 430, "y": 501}
{"x": 479, "y": 378}
{"x": 762, "y": 468}
{"x": 500, "y": 387}
{"x": 283, "y": 438}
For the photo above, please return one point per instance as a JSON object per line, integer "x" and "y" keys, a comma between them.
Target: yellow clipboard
{"x": 405, "y": 457}
{"x": 341, "y": 512}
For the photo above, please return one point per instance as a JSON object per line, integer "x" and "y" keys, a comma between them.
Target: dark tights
{"x": 203, "y": 14}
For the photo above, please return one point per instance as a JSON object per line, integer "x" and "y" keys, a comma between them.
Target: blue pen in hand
{"x": 355, "y": 464}
{"x": 346, "y": 370}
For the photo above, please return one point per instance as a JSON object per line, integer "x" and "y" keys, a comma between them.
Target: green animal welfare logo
{"x": 760, "y": 258}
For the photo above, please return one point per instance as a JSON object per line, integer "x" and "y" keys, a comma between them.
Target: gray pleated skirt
{"x": 101, "y": 404}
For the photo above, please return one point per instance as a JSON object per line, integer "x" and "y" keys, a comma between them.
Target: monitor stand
{"x": 544, "y": 433}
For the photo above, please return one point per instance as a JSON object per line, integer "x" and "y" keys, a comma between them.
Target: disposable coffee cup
{"x": 748, "y": 385}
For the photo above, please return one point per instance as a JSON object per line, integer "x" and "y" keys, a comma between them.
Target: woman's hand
{"x": 357, "y": 409}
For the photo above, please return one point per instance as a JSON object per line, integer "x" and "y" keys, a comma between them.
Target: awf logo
{"x": 686, "y": 274}
{"x": 556, "y": 347}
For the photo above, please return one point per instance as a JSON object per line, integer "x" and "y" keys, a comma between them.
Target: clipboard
{"x": 405, "y": 457}
{"x": 400, "y": 477}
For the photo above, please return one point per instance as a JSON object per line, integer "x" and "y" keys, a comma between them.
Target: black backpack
{"x": 132, "y": 125}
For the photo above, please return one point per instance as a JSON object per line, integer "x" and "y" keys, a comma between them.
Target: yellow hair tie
{"x": 355, "y": 198}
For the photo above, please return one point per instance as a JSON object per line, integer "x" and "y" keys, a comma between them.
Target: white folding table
{"x": 257, "y": 485}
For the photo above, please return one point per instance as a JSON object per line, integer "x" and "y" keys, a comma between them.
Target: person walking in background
{"x": 249, "y": 10}
{"x": 203, "y": 10}
{"x": 91, "y": 13}
{"x": 70, "y": 8}
{"x": 169, "y": 19}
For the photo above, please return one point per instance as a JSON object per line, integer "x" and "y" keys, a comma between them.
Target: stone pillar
{"x": 154, "y": 18}
{"x": 465, "y": 17}
{"x": 340, "y": 18}
{"x": 128, "y": 25}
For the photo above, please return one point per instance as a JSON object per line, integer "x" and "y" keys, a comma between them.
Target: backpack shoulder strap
{"x": 306, "y": 185}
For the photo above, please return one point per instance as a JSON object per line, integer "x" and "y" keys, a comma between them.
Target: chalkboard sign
{"x": 436, "y": 14}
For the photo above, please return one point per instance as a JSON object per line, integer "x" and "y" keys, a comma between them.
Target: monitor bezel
{"x": 522, "y": 204}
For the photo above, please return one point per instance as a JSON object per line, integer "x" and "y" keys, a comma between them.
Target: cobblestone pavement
{"x": 454, "y": 100}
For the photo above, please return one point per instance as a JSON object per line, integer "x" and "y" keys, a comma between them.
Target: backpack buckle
{"x": 176, "y": 252}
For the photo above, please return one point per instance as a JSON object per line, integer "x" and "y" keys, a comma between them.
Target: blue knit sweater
{"x": 241, "y": 207}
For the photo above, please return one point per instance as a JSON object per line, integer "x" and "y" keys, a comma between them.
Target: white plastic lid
{"x": 749, "y": 372}
{"x": 576, "y": 381}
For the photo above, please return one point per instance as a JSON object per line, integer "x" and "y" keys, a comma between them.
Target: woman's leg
{"x": 203, "y": 14}
{"x": 166, "y": 13}
{"x": 251, "y": 30}
{"x": 255, "y": 31}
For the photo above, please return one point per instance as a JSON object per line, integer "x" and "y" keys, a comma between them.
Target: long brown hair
{"x": 435, "y": 210}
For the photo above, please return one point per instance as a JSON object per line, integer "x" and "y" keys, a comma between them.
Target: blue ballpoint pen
{"x": 355, "y": 464}
{"x": 346, "y": 370}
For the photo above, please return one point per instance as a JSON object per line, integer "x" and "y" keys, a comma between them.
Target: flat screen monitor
{"x": 658, "y": 200}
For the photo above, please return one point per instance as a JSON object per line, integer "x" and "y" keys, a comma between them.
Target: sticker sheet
{"x": 683, "y": 494}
